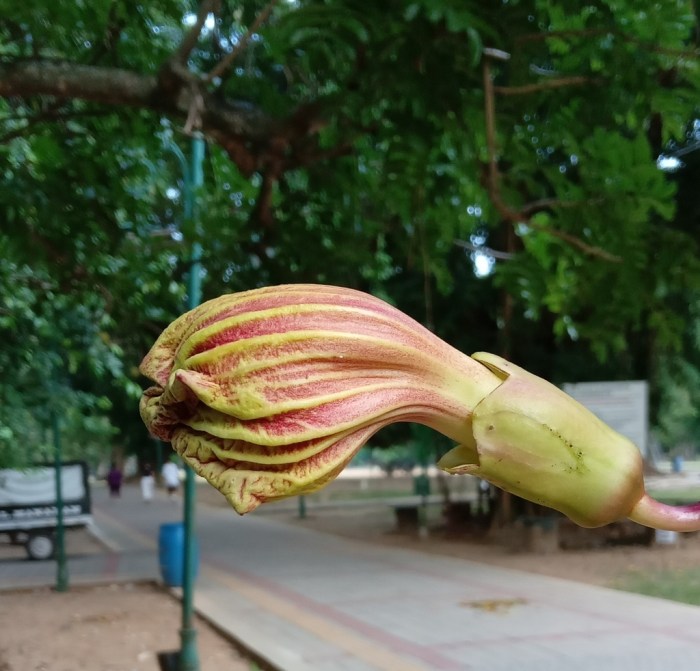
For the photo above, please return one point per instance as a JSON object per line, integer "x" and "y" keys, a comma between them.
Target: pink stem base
{"x": 652, "y": 513}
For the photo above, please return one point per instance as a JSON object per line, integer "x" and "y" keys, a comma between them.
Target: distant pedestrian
{"x": 171, "y": 477}
{"x": 147, "y": 482}
{"x": 114, "y": 480}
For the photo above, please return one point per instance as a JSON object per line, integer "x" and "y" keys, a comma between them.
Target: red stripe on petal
{"x": 326, "y": 418}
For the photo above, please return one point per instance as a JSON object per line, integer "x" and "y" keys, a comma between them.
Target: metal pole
{"x": 189, "y": 657}
{"x": 61, "y": 565}
{"x": 159, "y": 456}
{"x": 422, "y": 445}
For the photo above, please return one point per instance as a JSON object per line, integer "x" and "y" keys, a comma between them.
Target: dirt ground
{"x": 111, "y": 628}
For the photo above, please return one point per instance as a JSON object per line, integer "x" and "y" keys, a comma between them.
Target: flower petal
{"x": 235, "y": 468}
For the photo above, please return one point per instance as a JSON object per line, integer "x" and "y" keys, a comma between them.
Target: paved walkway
{"x": 305, "y": 600}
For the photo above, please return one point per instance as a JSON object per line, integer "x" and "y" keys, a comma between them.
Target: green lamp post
{"x": 61, "y": 564}
{"x": 193, "y": 179}
{"x": 189, "y": 658}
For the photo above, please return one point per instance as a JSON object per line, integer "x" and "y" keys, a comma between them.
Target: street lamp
{"x": 61, "y": 564}
{"x": 193, "y": 179}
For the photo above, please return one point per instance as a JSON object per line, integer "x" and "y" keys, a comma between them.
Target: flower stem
{"x": 653, "y": 513}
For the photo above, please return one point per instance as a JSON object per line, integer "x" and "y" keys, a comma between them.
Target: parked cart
{"x": 28, "y": 511}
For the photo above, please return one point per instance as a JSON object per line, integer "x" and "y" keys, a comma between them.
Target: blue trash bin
{"x": 677, "y": 464}
{"x": 171, "y": 548}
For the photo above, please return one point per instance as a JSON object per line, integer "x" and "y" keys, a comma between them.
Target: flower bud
{"x": 270, "y": 392}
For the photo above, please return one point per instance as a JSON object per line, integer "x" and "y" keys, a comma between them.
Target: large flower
{"x": 269, "y": 393}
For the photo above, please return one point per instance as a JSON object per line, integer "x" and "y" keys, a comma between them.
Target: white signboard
{"x": 622, "y": 405}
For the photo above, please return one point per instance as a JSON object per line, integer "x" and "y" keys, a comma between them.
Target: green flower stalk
{"x": 269, "y": 393}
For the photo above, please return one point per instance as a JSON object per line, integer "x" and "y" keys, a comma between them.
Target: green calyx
{"x": 535, "y": 441}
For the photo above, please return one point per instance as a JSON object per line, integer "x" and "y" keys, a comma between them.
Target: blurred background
{"x": 519, "y": 179}
{"x": 519, "y": 176}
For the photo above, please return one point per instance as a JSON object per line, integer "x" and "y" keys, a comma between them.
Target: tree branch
{"x": 525, "y": 213}
{"x": 536, "y": 206}
{"x": 240, "y": 128}
{"x": 191, "y": 38}
{"x": 111, "y": 35}
{"x": 225, "y": 63}
{"x": 482, "y": 249}
{"x": 66, "y": 81}
{"x": 545, "y": 35}
{"x": 545, "y": 85}
{"x": 261, "y": 215}
{"x": 493, "y": 178}
{"x": 595, "y": 32}
{"x": 574, "y": 241}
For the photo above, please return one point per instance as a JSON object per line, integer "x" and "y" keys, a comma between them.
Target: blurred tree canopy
{"x": 490, "y": 167}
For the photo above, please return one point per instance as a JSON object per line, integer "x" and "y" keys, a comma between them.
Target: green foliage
{"x": 391, "y": 170}
{"x": 395, "y": 458}
{"x": 49, "y": 339}
{"x": 679, "y": 388}
{"x": 82, "y": 257}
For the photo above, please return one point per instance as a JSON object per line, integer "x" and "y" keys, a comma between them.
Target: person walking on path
{"x": 171, "y": 477}
{"x": 147, "y": 482}
{"x": 114, "y": 481}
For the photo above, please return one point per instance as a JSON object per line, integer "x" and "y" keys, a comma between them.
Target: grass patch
{"x": 676, "y": 497}
{"x": 680, "y": 494}
{"x": 676, "y": 585}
